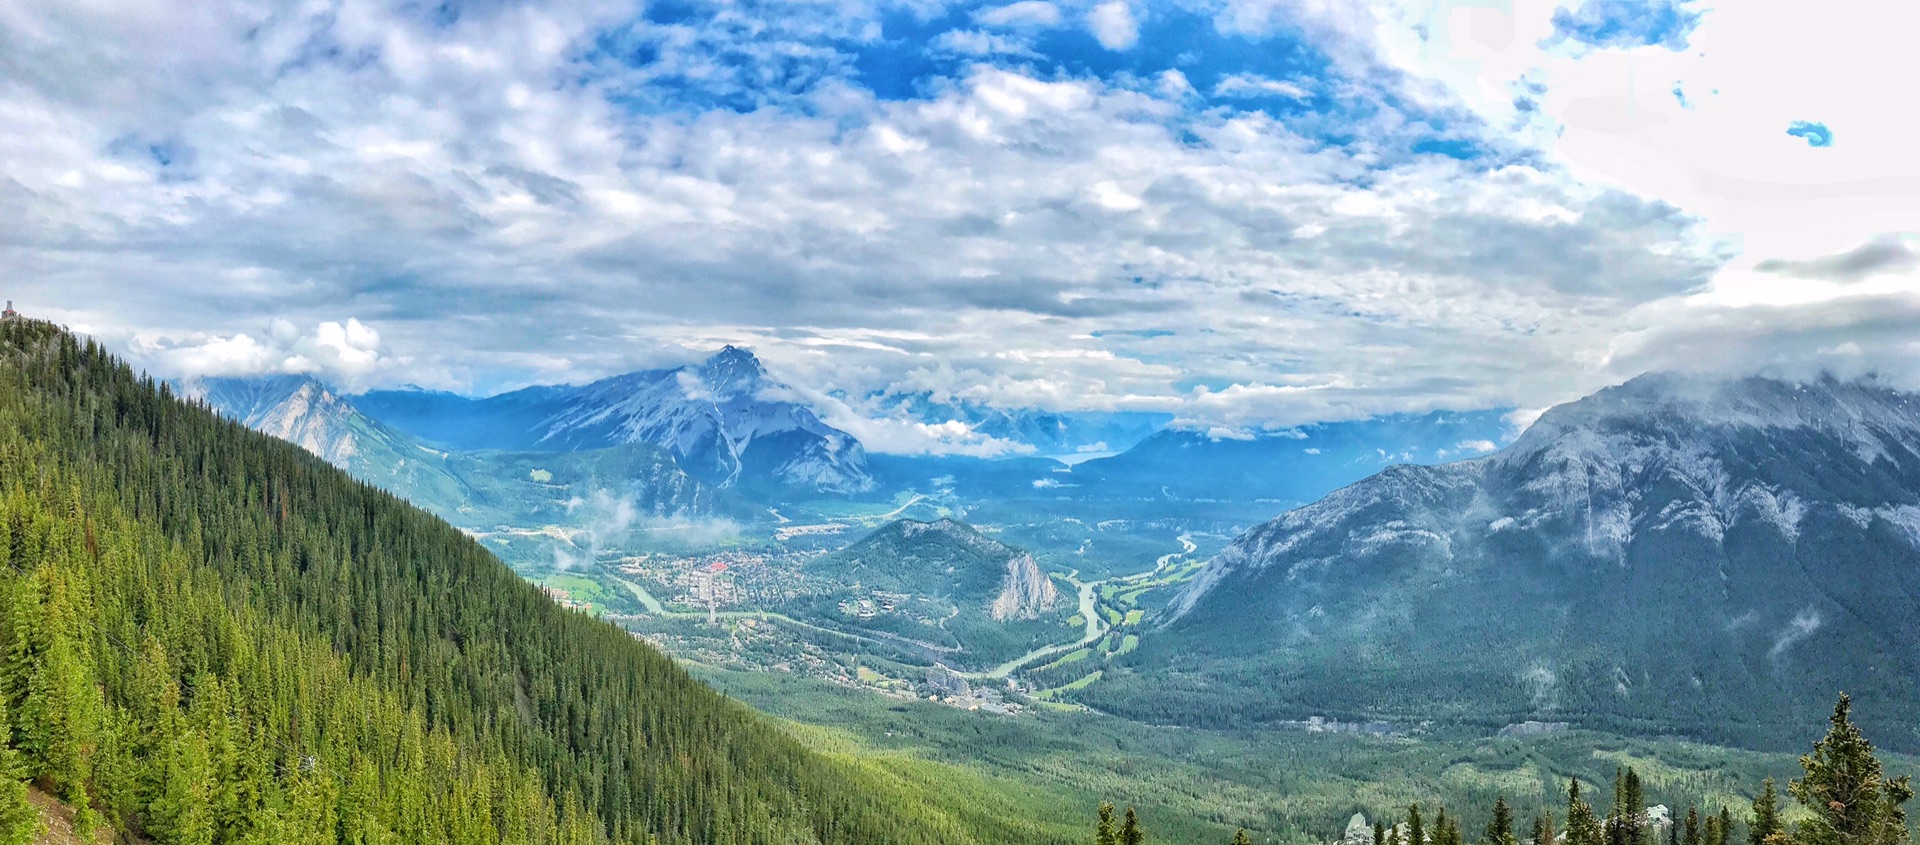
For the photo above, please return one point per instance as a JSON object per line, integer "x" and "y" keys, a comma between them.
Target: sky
{"x": 1249, "y": 213}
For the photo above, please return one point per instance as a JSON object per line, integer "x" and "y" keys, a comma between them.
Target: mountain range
{"x": 1672, "y": 555}
{"x": 475, "y": 490}
{"x": 1289, "y": 466}
{"x": 1034, "y": 431}
{"x": 724, "y": 419}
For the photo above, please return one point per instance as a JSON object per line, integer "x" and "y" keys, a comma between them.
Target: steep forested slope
{"x": 209, "y": 635}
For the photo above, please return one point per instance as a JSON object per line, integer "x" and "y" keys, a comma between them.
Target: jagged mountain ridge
{"x": 725, "y": 419}
{"x": 1706, "y": 558}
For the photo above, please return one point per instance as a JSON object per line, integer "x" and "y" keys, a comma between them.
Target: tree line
{"x": 1844, "y": 794}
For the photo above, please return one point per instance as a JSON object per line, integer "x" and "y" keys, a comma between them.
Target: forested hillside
{"x": 207, "y": 635}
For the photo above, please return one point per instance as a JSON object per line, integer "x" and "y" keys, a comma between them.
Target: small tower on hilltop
{"x": 9, "y": 314}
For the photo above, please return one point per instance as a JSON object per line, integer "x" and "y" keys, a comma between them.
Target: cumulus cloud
{"x": 1113, "y": 25}
{"x": 347, "y": 353}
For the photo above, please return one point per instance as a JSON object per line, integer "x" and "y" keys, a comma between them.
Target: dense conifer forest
{"x": 210, "y": 636}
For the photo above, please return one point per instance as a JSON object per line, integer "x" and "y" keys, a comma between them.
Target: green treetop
{"x": 1852, "y": 802}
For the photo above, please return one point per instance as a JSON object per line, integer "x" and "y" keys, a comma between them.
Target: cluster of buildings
{"x": 950, "y": 687}
{"x": 564, "y": 598}
{"x": 874, "y": 604}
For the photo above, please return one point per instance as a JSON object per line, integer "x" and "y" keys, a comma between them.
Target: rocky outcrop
{"x": 1025, "y": 592}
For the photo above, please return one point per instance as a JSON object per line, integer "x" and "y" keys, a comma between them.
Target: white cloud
{"x": 1519, "y": 420}
{"x": 1255, "y": 85}
{"x": 1025, "y": 13}
{"x": 344, "y": 353}
{"x": 1113, "y": 25}
{"x": 973, "y": 42}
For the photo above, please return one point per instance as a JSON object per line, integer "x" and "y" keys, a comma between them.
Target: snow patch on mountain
{"x": 1657, "y": 454}
{"x": 712, "y": 415}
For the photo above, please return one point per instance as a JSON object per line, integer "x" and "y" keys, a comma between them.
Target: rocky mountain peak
{"x": 1025, "y": 593}
{"x": 732, "y": 370}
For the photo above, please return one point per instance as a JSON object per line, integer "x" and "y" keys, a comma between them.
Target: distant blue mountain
{"x": 1294, "y": 466}
{"x": 1064, "y": 433}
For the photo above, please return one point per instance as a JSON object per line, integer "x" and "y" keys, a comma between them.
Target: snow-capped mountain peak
{"x": 731, "y": 372}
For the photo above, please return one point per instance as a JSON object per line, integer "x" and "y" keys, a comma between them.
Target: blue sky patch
{"x": 1627, "y": 23}
{"x": 1816, "y": 134}
{"x": 691, "y": 56}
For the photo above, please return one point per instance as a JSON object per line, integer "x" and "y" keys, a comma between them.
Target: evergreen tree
{"x": 1616, "y": 815}
{"x": 1130, "y": 832}
{"x": 1692, "y": 835}
{"x": 1241, "y": 838}
{"x": 1724, "y": 834}
{"x": 1583, "y": 828}
{"x": 1416, "y": 831}
{"x": 1379, "y": 832}
{"x": 1500, "y": 827}
{"x": 1634, "y": 817}
{"x": 1851, "y": 802}
{"x": 19, "y": 819}
{"x": 1442, "y": 824}
{"x": 1543, "y": 832}
{"x": 1104, "y": 832}
{"x": 1766, "y": 815}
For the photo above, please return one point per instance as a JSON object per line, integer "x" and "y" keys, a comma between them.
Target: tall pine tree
{"x": 1851, "y": 801}
{"x": 1500, "y": 827}
{"x": 19, "y": 819}
{"x": 1766, "y": 815}
{"x": 1583, "y": 828}
{"x": 1130, "y": 830}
